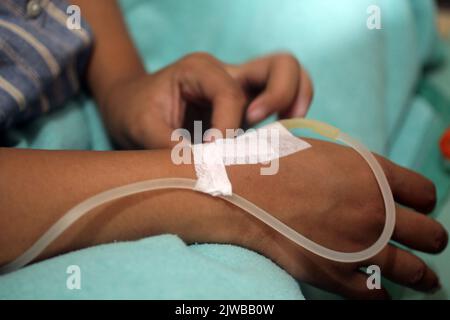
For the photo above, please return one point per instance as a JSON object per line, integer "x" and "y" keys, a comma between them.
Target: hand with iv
{"x": 328, "y": 194}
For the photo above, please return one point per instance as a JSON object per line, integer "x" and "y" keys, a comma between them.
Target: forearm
{"x": 114, "y": 58}
{"x": 38, "y": 187}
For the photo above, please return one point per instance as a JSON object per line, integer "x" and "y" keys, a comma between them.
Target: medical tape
{"x": 262, "y": 145}
{"x": 212, "y": 176}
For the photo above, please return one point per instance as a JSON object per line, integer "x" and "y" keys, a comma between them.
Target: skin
{"x": 326, "y": 192}
{"x": 347, "y": 214}
{"x": 155, "y": 103}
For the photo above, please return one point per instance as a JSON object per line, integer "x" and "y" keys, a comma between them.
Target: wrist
{"x": 212, "y": 219}
{"x": 194, "y": 216}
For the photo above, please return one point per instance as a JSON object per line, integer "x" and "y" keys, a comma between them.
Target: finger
{"x": 304, "y": 97}
{"x": 228, "y": 107}
{"x": 206, "y": 78}
{"x": 281, "y": 89}
{"x": 405, "y": 269}
{"x": 357, "y": 287}
{"x": 419, "y": 232}
{"x": 408, "y": 187}
{"x": 279, "y": 75}
{"x": 349, "y": 284}
{"x": 343, "y": 279}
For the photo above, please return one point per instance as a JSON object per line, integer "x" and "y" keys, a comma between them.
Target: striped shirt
{"x": 41, "y": 59}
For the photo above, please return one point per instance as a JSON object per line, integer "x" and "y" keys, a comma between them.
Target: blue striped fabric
{"x": 41, "y": 60}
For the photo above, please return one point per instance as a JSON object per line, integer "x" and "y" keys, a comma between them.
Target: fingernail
{"x": 256, "y": 114}
{"x": 441, "y": 240}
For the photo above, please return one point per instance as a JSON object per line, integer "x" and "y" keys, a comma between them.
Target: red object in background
{"x": 444, "y": 144}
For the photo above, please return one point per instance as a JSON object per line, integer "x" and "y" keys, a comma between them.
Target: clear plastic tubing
{"x": 180, "y": 183}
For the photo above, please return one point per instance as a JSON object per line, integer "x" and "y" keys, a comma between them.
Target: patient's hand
{"x": 328, "y": 193}
{"x": 143, "y": 111}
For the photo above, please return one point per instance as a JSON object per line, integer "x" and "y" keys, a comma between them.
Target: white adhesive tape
{"x": 263, "y": 145}
{"x": 212, "y": 177}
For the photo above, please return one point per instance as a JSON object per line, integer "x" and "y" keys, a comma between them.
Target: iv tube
{"x": 180, "y": 183}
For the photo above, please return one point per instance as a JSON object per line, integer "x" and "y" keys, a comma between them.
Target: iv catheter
{"x": 320, "y": 128}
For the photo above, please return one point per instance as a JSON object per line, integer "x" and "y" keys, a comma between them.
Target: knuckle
{"x": 288, "y": 58}
{"x": 197, "y": 58}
